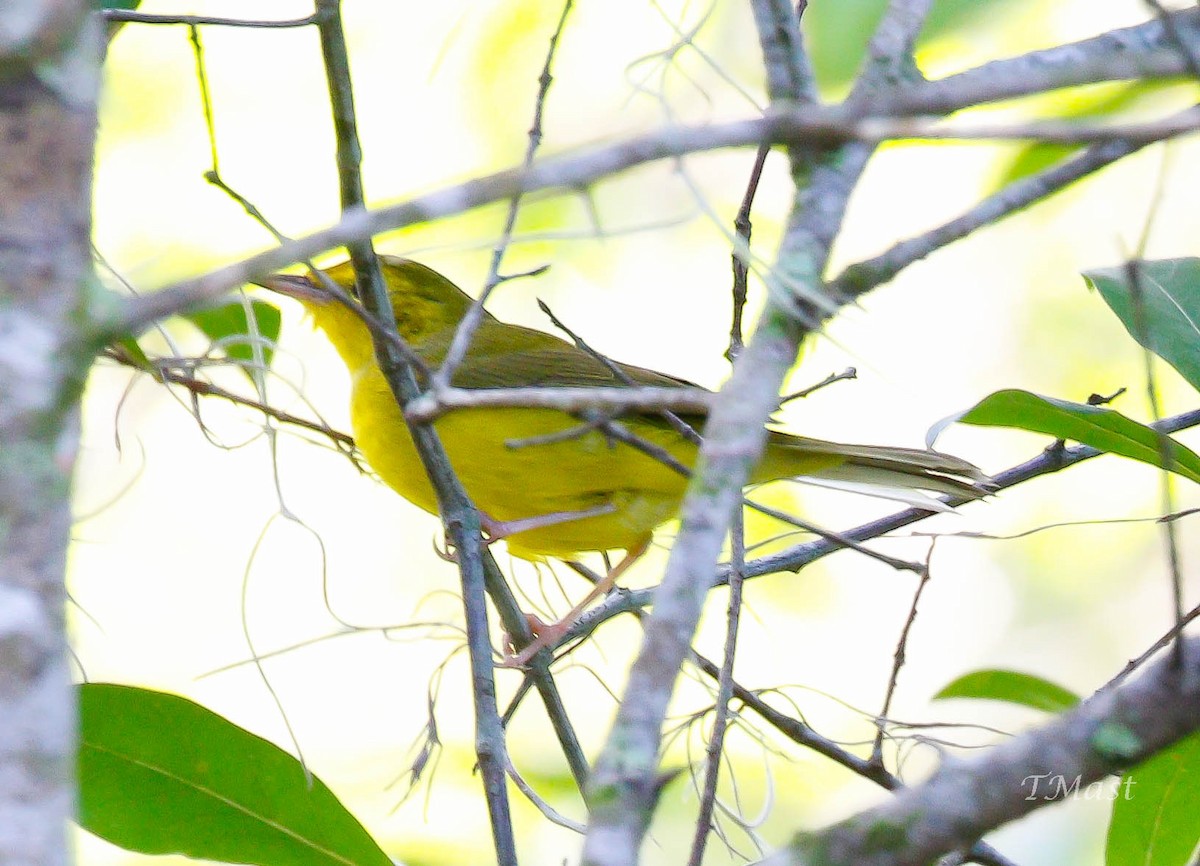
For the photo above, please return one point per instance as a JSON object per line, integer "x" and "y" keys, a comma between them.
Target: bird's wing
{"x": 509, "y": 356}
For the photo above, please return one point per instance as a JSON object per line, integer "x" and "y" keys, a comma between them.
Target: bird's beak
{"x": 295, "y": 286}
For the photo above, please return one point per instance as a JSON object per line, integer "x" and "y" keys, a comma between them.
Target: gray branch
{"x": 624, "y": 785}
{"x": 789, "y": 74}
{"x": 965, "y": 799}
{"x": 1053, "y": 459}
{"x": 615, "y": 399}
{"x": 49, "y": 57}
{"x": 1142, "y": 52}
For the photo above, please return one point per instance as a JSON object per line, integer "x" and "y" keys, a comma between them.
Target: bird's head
{"x": 424, "y": 303}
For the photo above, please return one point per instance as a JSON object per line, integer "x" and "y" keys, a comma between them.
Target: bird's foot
{"x": 445, "y": 551}
{"x": 550, "y": 635}
{"x": 543, "y": 634}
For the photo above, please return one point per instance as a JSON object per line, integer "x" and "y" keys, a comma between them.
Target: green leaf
{"x": 836, "y": 34}
{"x": 227, "y": 323}
{"x": 1098, "y": 102}
{"x": 1154, "y": 814}
{"x": 159, "y": 774}
{"x": 1165, "y": 315}
{"x": 1092, "y": 425}
{"x": 130, "y": 349}
{"x": 1013, "y": 687}
{"x": 1032, "y": 158}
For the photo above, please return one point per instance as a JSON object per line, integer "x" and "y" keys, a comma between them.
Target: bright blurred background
{"x": 198, "y": 547}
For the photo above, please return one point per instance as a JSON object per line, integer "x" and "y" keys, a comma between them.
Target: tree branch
{"x": 789, "y": 74}
{"x": 624, "y": 785}
{"x": 816, "y": 126}
{"x": 801, "y": 734}
{"x": 966, "y": 798}
{"x": 614, "y": 399}
{"x": 130, "y": 16}
{"x": 459, "y": 516}
{"x": 859, "y": 278}
{"x": 49, "y": 76}
{"x": 1143, "y": 51}
{"x": 1053, "y": 459}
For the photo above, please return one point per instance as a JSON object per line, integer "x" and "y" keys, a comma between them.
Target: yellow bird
{"x": 557, "y": 497}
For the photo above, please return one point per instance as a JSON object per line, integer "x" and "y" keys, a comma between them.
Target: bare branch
{"x": 800, "y": 733}
{"x": 166, "y": 373}
{"x": 474, "y": 317}
{"x": 725, "y": 684}
{"x": 1053, "y": 459}
{"x": 889, "y": 63}
{"x": 50, "y": 57}
{"x": 861, "y": 277}
{"x": 615, "y": 399}
{"x": 797, "y": 126}
{"x": 741, "y": 267}
{"x": 965, "y": 799}
{"x": 625, "y": 783}
{"x": 898, "y": 659}
{"x": 459, "y": 516}
{"x": 1144, "y": 51}
{"x": 789, "y": 75}
{"x": 130, "y": 16}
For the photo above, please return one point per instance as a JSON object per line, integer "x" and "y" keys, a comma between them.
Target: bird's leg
{"x": 545, "y": 635}
{"x": 497, "y": 529}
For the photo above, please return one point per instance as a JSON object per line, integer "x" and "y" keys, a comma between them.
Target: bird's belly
{"x": 510, "y": 482}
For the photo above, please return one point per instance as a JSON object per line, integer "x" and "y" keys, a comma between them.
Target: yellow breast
{"x": 510, "y": 482}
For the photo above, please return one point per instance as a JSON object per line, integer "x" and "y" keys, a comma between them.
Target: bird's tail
{"x": 893, "y": 473}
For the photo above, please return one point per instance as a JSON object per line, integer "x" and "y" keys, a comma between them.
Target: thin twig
{"x": 898, "y": 658}
{"x": 537, "y": 670}
{"x": 208, "y": 389}
{"x": 680, "y": 426}
{"x": 213, "y": 175}
{"x": 459, "y": 515}
{"x": 1053, "y": 459}
{"x": 646, "y": 398}
{"x": 802, "y": 734}
{"x": 474, "y": 317}
{"x": 721, "y": 709}
{"x": 548, "y": 812}
{"x": 813, "y": 126}
{"x": 863, "y": 276}
{"x": 949, "y": 811}
{"x": 570, "y": 434}
{"x": 1133, "y": 274}
{"x": 129, "y": 16}
{"x": 844, "y": 541}
{"x": 205, "y": 98}
{"x": 741, "y": 268}
{"x": 1172, "y": 635}
{"x": 845, "y": 375}
{"x": 621, "y": 433}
